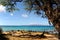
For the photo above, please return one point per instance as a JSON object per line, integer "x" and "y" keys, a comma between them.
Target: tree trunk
{"x": 59, "y": 35}
{"x": 57, "y": 26}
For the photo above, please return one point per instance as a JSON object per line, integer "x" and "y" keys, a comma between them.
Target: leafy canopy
{"x": 51, "y": 8}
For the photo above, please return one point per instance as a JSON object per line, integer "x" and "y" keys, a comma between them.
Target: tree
{"x": 2, "y": 36}
{"x": 51, "y": 9}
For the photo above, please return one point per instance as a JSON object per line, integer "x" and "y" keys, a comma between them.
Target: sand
{"x": 25, "y": 35}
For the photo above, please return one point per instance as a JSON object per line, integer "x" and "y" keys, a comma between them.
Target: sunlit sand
{"x": 26, "y": 35}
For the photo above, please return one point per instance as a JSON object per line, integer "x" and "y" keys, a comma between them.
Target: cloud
{"x": 11, "y": 14}
{"x": 24, "y": 15}
{"x": 2, "y": 8}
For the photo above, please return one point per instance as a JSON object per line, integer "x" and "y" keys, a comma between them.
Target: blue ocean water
{"x": 28, "y": 28}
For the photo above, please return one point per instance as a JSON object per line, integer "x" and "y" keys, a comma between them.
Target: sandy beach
{"x": 28, "y": 35}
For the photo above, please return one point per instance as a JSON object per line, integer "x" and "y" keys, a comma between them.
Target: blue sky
{"x": 21, "y": 17}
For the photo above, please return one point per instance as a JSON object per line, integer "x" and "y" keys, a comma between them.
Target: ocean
{"x": 28, "y": 28}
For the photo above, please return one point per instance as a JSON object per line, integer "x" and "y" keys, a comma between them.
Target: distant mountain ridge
{"x": 25, "y": 25}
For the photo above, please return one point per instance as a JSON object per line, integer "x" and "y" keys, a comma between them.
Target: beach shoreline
{"x": 31, "y": 35}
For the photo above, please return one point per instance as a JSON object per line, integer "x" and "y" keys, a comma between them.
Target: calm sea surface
{"x": 28, "y": 28}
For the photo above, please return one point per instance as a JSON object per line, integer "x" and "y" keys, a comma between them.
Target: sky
{"x": 20, "y": 17}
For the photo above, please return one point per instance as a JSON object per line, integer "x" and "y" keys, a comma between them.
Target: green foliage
{"x": 51, "y": 8}
{"x": 10, "y": 6}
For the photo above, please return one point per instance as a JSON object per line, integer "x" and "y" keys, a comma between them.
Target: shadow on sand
{"x": 2, "y": 36}
{"x": 33, "y": 36}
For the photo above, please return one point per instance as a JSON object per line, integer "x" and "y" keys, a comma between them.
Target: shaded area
{"x": 2, "y": 36}
{"x": 29, "y": 35}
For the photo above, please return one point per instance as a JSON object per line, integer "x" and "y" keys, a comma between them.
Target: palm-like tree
{"x": 51, "y": 9}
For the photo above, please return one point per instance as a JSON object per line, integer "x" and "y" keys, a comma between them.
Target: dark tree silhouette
{"x": 51, "y": 9}
{"x": 2, "y": 36}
